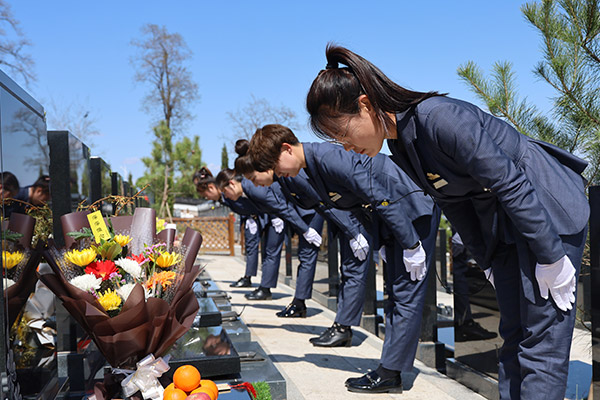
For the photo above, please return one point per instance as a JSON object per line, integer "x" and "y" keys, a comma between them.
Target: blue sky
{"x": 269, "y": 49}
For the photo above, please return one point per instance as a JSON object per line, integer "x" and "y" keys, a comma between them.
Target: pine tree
{"x": 224, "y": 157}
{"x": 571, "y": 65}
{"x": 188, "y": 159}
{"x": 159, "y": 170}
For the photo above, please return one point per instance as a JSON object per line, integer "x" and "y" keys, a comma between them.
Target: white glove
{"x": 414, "y": 261}
{"x": 489, "y": 276}
{"x": 559, "y": 279}
{"x": 277, "y": 224}
{"x": 382, "y": 254}
{"x": 251, "y": 225}
{"x": 360, "y": 247}
{"x": 312, "y": 237}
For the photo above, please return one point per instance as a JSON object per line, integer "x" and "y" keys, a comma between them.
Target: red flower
{"x": 245, "y": 385}
{"x": 101, "y": 269}
{"x": 140, "y": 259}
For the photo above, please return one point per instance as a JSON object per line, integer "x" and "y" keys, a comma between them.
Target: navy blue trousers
{"x": 307, "y": 255}
{"x": 406, "y": 299}
{"x": 251, "y": 242}
{"x": 351, "y": 296}
{"x": 534, "y": 359}
{"x": 270, "y": 264}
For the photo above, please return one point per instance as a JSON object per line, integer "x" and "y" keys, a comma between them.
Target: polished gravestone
{"x": 213, "y": 308}
{"x": 594, "y": 192}
{"x": 255, "y": 365}
{"x": 208, "y": 313}
{"x": 475, "y": 361}
{"x": 209, "y": 349}
{"x": 25, "y": 361}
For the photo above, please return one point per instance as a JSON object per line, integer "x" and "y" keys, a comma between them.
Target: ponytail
{"x": 335, "y": 91}
{"x": 202, "y": 178}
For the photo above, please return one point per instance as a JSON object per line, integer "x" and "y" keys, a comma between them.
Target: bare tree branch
{"x": 257, "y": 113}
{"x": 12, "y": 50}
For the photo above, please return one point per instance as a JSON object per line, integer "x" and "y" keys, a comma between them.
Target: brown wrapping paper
{"x": 17, "y": 294}
{"x": 24, "y": 225}
{"x": 167, "y": 236}
{"x": 121, "y": 223}
{"x": 143, "y": 326}
{"x": 143, "y": 229}
{"x": 73, "y": 222}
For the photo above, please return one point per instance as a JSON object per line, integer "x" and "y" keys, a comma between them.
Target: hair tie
{"x": 331, "y": 65}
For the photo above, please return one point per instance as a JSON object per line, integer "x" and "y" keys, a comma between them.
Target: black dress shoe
{"x": 373, "y": 383}
{"x": 292, "y": 311}
{"x": 259, "y": 294}
{"x": 336, "y": 336}
{"x": 471, "y": 330}
{"x": 244, "y": 281}
{"x": 325, "y": 333}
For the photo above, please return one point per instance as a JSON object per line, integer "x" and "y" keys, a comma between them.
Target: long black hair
{"x": 335, "y": 92}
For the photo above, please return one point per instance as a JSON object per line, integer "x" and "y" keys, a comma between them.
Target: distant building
{"x": 191, "y": 208}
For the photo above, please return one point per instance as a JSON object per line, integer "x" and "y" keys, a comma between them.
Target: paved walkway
{"x": 313, "y": 372}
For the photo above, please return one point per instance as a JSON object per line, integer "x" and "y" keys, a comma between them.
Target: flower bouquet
{"x": 19, "y": 262}
{"x": 129, "y": 293}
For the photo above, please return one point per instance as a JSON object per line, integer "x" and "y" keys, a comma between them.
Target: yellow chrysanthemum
{"x": 123, "y": 240}
{"x": 81, "y": 258}
{"x": 165, "y": 260}
{"x": 160, "y": 224}
{"x": 164, "y": 279}
{"x": 110, "y": 300}
{"x": 9, "y": 260}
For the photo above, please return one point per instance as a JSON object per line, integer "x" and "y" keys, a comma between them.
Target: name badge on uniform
{"x": 334, "y": 196}
{"x": 440, "y": 183}
{"x": 437, "y": 180}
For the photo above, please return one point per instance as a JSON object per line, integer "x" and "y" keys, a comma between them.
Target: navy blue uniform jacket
{"x": 348, "y": 180}
{"x": 300, "y": 192}
{"x": 271, "y": 200}
{"x": 486, "y": 176}
{"x": 246, "y": 209}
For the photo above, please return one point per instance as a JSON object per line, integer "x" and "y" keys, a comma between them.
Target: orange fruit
{"x": 186, "y": 378}
{"x": 207, "y": 383}
{"x": 208, "y": 390}
{"x": 170, "y": 386}
{"x": 174, "y": 394}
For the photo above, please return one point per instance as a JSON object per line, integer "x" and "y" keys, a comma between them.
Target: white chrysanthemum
{"x": 86, "y": 282}
{"x": 8, "y": 282}
{"x": 130, "y": 266}
{"x": 125, "y": 290}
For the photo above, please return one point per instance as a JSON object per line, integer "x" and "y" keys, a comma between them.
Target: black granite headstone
{"x": 23, "y": 153}
{"x": 594, "y": 193}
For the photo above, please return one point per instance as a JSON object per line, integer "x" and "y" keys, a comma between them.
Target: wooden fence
{"x": 217, "y": 232}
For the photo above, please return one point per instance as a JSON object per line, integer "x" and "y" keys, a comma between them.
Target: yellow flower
{"x": 110, "y": 300}
{"x": 9, "y": 260}
{"x": 166, "y": 259}
{"x": 164, "y": 279}
{"x": 123, "y": 240}
{"x": 81, "y": 258}
{"x": 160, "y": 224}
